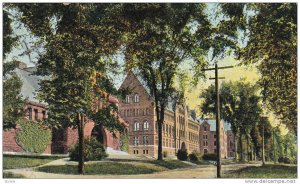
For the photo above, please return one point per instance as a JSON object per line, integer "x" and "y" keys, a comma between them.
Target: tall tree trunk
{"x": 160, "y": 119}
{"x": 241, "y": 148}
{"x": 248, "y": 155}
{"x": 159, "y": 154}
{"x": 80, "y": 143}
{"x": 236, "y": 147}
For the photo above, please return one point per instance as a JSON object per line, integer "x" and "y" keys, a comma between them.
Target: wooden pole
{"x": 218, "y": 127}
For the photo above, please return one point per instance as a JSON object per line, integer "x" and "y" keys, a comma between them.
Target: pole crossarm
{"x": 222, "y": 67}
{"x": 212, "y": 78}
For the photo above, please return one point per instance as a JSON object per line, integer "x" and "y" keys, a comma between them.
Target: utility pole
{"x": 217, "y": 105}
{"x": 263, "y": 143}
{"x": 274, "y": 149}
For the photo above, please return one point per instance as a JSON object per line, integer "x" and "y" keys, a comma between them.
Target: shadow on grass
{"x": 12, "y": 175}
{"x": 102, "y": 168}
{"x": 23, "y": 161}
{"x": 266, "y": 171}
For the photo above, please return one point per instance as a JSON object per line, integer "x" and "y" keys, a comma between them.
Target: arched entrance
{"x": 183, "y": 146}
{"x": 99, "y": 133}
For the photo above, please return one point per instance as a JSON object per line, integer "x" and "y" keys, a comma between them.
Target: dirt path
{"x": 204, "y": 171}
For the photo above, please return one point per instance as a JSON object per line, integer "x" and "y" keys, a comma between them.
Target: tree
{"x": 161, "y": 38}
{"x": 240, "y": 107}
{"x": 13, "y": 102}
{"x": 271, "y": 41}
{"x": 9, "y": 39}
{"x": 78, "y": 55}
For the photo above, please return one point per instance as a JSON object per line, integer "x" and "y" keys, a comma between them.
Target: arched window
{"x": 127, "y": 99}
{"x": 146, "y": 125}
{"x": 136, "y": 98}
{"x": 136, "y": 126}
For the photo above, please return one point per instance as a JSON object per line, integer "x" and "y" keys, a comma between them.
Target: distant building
{"x": 179, "y": 130}
{"x": 208, "y": 142}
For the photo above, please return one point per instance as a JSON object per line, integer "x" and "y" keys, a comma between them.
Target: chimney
{"x": 21, "y": 65}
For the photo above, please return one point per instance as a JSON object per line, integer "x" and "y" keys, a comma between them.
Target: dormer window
{"x": 136, "y": 98}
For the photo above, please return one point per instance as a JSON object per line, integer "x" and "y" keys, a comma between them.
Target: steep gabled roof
{"x": 212, "y": 123}
{"x": 30, "y": 81}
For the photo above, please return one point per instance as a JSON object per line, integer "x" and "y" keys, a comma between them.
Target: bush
{"x": 33, "y": 136}
{"x": 195, "y": 156}
{"x": 182, "y": 155}
{"x": 93, "y": 150}
{"x": 285, "y": 160}
{"x": 209, "y": 156}
{"x": 124, "y": 142}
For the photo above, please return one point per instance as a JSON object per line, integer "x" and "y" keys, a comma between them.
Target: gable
{"x": 135, "y": 86}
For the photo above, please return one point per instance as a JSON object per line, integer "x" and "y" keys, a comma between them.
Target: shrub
{"x": 195, "y": 156}
{"x": 165, "y": 154}
{"x": 182, "y": 155}
{"x": 209, "y": 156}
{"x": 285, "y": 160}
{"x": 93, "y": 150}
{"x": 124, "y": 142}
{"x": 33, "y": 136}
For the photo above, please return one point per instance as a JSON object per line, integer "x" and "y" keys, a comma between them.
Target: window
{"x": 204, "y": 143}
{"x": 30, "y": 113}
{"x": 145, "y": 140}
{"x": 146, "y": 125}
{"x": 215, "y": 143}
{"x": 204, "y": 136}
{"x": 205, "y": 129}
{"x": 36, "y": 114}
{"x": 136, "y": 141}
{"x": 146, "y": 151}
{"x": 127, "y": 99}
{"x": 136, "y": 98}
{"x": 44, "y": 115}
{"x": 215, "y": 136}
{"x": 205, "y": 151}
{"x": 136, "y": 126}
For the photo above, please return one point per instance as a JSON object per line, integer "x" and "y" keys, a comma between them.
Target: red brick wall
{"x": 9, "y": 141}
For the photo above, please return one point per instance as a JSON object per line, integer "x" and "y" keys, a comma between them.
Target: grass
{"x": 12, "y": 175}
{"x": 23, "y": 161}
{"x": 202, "y": 162}
{"x": 102, "y": 168}
{"x": 170, "y": 164}
{"x": 267, "y": 171}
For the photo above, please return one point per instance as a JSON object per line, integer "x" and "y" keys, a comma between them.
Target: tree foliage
{"x": 13, "y": 102}
{"x": 9, "y": 39}
{"x": 271, "y": 41}
{"x": 239, "y": 105}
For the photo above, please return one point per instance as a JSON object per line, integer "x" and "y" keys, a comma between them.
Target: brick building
{"x": 208, "y": 142}
{"x": 62, "y": 139}
{"x": 179, "y": 129}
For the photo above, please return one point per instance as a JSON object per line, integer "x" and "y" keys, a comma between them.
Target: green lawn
{"x": 101, "y": 168}
{"x": 12, "y": 175}
{"x": 267, "y": 171}
{"x": 170, "y": 164}
{"x": 23, "y": 161}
